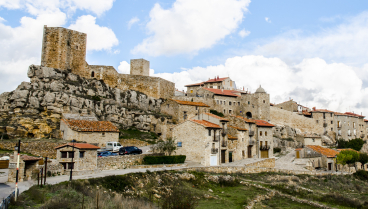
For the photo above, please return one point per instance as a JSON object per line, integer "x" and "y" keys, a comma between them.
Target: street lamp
{"x": 71, "y": 168}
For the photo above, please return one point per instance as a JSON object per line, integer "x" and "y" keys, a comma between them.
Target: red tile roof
{"x": 322, "y": 110}
{"x": 199, "y": 104}
{"x": 324, "y": 151}
{"x": 263, "y": 123}
{"x": 365, "y": 120}
{"x": 340, "y": 114}
{"x": 79, "y": 146}
{"x": 90, "y": 126}
{"x": 206, "y": 123}
{"x": 240, "y": 129}
{"x": 245, "y": 119}
{"x": 216, "y": 80}
{"x": 215, "y": 116}
{"x": 231, "y": 137}
{"x": 306, "y": 113}
{"x": 195, "y": 84}
{"x": 222, "y": 92}
{"x": 353, "y": 114}
{"x": 29, "y": 158}
{"x": 298, "y": 149}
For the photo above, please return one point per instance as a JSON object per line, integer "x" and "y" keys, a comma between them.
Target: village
{"x": 218, "y": 126}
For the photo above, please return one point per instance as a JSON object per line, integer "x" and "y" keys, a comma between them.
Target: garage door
{"x": 213, "y": 160}
{"x": 264, "y": 153}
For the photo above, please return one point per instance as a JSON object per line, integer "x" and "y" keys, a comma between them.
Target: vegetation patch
{"x": 175, "y": 159}
{"x": 217, "y": 113}
{"x": 134, "y": 133}
{"x": 355, "y": 144}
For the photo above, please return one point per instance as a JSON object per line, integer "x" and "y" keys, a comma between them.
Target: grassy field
{"x": 189, "y": 190}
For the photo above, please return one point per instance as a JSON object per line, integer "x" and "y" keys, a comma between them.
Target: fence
{"x": 6, "y": 202}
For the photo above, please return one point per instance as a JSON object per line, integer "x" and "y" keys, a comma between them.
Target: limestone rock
{"x": 364, "y": 148}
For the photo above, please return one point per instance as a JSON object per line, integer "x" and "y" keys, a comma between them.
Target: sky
{"x": 314, "y": 52}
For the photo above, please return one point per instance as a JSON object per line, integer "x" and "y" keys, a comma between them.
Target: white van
{"x": 113, "y": 146}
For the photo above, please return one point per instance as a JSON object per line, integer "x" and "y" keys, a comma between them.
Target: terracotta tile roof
{"x": 324, "y": 151}
{"x": 222, "y": 92}
{"x": 206, "y": 123}
{"x": 199, "y": 104}
{"x": 240, "y": 129}
{"x": 216, "y": 80}
{"x": 263, "y": 123}
{"x": 79, "y": 146}
{"x": 353, "y": 114}
{"x": 245, "y": 119}
{"x": 340, "y": 114}
{"x": 215, "y": 116}
{"x": 231, "y": 137}
{"x": 195, "y": 84}
{"x": 322, "y": 110}
{"x": 298, "y": 149}
{"x": 90, "y": 126}
{"x": 29, "y": 158}
{"x": 306, "y": 113}
{"x": 365, "y": 120}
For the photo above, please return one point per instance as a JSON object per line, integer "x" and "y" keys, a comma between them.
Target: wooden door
{"x": 264, "y": 153}
{"x": 249, "y": 151}
{"x": 297, "y": 154}
{"x": 230, "y": 157}
{"x": 223, "y": 156}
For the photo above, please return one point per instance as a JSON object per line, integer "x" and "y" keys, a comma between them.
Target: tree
{"x": 355, "y": 144}
{"x": 168, "y": 146}
{"x": 363, "y": 158}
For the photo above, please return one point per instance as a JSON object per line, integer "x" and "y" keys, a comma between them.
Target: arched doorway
{"x": 93, "y": 74}
{"x": 249, "y": 115}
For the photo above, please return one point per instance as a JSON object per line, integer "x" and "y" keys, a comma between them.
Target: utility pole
{"x": 16, "y": 176}
{"x": 45, "y": 170}
{"x": 71, "y": 168}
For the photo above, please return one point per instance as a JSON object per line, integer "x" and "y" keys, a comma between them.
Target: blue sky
{"x": 314, "y": 52}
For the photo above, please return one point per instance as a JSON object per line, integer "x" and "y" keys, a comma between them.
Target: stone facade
{"x": 290, "y": 105}
{"x": 216, "y": 83}
{"x": 309, "y": 139}
{"x": 28, "y": 167}
{"x": 119, "y": 162}
{"x": 182, "y": 110}
{"x": 65, "y": 49}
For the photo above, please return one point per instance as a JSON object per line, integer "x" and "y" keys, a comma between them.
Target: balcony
{"x": 251, "y": 142}
{"x": 224, "y": 143}
{"x": 264, "y": 147}
{"x": 251, "y": 133}
{"x": 214, "y": 150}
{"x": 216, "y": 138}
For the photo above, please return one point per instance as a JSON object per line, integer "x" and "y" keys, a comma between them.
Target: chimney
{"x": 314, "y": 108}
{"x": 218, "y": 77}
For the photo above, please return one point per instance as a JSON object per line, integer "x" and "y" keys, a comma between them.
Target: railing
{"x": 251, "y": 142}
{"x": 224, "y": 143}
{"x": 265, "y": 147}
{"x": 251, "y": 133}
{"x": 214, "y": 150}
{"x": 216, "y": 139}
{"x": 325, "y": 125}
{"x": 4, "y": 204}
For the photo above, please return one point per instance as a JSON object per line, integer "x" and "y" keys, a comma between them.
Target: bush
{"x": 175, "y": 159}
{"x": 361, "y": 174}
{"x": 363, "y": 158}
{"x": 168, "y": 146}
{"x": 179, "y": 198}
{"x": 216, "y": 113}
{"x": 347, "y": 157}
{"x": 277, "y": 149}
{"x": 355, "y": 144}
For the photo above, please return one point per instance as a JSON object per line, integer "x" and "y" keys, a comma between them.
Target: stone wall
{"x": 283, "y": 117}
{"x": 267, "y": 163}
{"x": 119, "y": 162}
{"x": 37, "y": 148}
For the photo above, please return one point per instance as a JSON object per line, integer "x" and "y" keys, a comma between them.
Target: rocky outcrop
{"x": 35, "y": 108}
{"x": 285, "y": 131}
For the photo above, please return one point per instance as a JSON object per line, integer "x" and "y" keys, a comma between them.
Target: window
{"x": 264, "y": 101}
{"x": 64, "y": 165}
{"x": 71, "y": 154}
{"x": 331, "y": 114}
{"x": 81, "y": 154}
{"x": 229, "y": 111}
{"x": 331, "y": 129}
{"x": 220, "y": 102}
{"x": 93, "y": 74}
{"x": 103, "y": 133}
{"x": 217, "y": 102}
{"x": 339, "y": 132}
{"x": 242, "y": 139}
{"x": 196, "y": 107}
{"x": 185, "y": 115}
{"x": 209, "y": 132}
{"x": 316, "y": 121}
{"x": 339, "y": 124}
{"x": 353, "y": 124}
{"x": 224, "y": 102}
{"x": 179, "y": 144}
{"x": 191, "y": 91}
{"x": 64, "y": 154}
{"x": 312, "y": 140}
{"x": 248, "y": 102}
{"x": 168, "y": 105}
{"x": 70, "y": 165}
{"x": 260, "y": 133}
{"x": 238, "y": 103}
{"x": 234, "y": 103}
{"x": 331, "y": 122}
{"x": 229, "y": 103}
{"x": 265, "y": 133}
{"x": 224, "y": 111}
{"x": 324, "y": 115}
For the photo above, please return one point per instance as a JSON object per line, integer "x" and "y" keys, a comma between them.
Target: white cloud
{"x": 243, "y": 33}
{"x": 124, "y": 67}
{"x": 99, "y": 37}
{"x": 190, "y": 25}
{"x": 132, "y": 22}
{"x": 267, "y": 19}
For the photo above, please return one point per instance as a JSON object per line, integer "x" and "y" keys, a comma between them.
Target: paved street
{"x": 287, "y": 162}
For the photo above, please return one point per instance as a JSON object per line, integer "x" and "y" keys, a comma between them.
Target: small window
{"x": 64, "y": 154}
{"x": 103, "y": 133}
{"x": 234, "y": 103}
{"x": 220, "y": 102}
{"x": 209, "y": 132}
{"x": 191, "y": 91}
{"x": 260, "y": 133}
{"x": 264, "y": 101}
{"x": 217, "y": 101}
{"x": 76, "y": 47}
{"x": 324, "y": 115}
{"x": 229, "y": 111}
{"x": 331, "y": 114}
{"x": 331, "y": 122}
{"x": 248, "y": 102}
{"x": 93, "y": 74}
{"x": 168, "y": 105}
{"x": 71, "y": 154}
{"x": 265, "y": 133}
{"x": 242, "y": 139}
{"x": 185, "y": 115}
{"x": 70, "y": 165}
{"x": 224, "y": 111}
{"x": 64, "y": 165}
{"x": 312, "y": 140}
{"x": 331, "y": 129}
{"x": 179, "y": 144}
{"x": 316, "y": 121}
{"x": 238, "y": 103}
{"x": 81, "y": 154}
{"x": 196, "y": 107}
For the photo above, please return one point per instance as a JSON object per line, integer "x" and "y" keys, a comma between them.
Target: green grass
{"x": 133, "y": 133}
{"x": 281, "y": 202}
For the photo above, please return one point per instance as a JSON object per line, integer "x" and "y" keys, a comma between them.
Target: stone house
{"x": 97, "y": 132}
{"x": 320, "y": 157}
{"x": 309, "y": 139}
{"x": 238, "y": 143}
{"x": 264, "y": 138}
{"x": 239, "y": 122}
{"x": 292, "y": 106}
{"x": 216, "y": 83}
{"x": 200, "y": 141}
{"x": 84, "y": 157}
{"x": 28, "y": 167}
{"x": 183, "y": 110}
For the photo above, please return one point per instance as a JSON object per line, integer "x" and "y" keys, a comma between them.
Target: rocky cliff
{"x": 35, "y": 108}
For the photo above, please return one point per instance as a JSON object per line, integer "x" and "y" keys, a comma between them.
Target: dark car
{"x": 106, "y": 154}
{"x": 132, "y": 150}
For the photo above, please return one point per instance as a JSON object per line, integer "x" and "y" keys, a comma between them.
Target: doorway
{"x": 264, "y": 153}
{"x": 213, "y": 160}
{"x": 249, "y": 151}
{"x": 329, "y": 166}
{"x": 230, "y": 157}
{"x": 249, "y": 115}
{"x": 223, "y": 156}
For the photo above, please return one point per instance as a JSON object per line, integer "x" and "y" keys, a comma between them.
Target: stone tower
{"x": 263, "y": 104}
{"x": 64, "y": 49}
{"x": 139, "y": 67}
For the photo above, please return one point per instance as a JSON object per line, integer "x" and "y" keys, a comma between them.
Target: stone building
{"x": 292, "y": 106}
{"x": 309, "y": 139}
{"x": 183, "y": 110}
{"x": 97, "y": 132}
{"x": 28, "y": 167}
{"x": 216, "y": 83}
{"x": 320, "y": 157}
{"x": 84, "y": 157}
{"x": 65, "y": 49}
{"x": 238, "y": 143}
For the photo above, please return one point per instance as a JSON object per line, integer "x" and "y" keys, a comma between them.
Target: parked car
{"x": 131, "y": 150}
{"x": 106, "y": 154}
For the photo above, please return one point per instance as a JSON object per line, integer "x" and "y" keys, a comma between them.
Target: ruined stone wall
{"x": 289, "y": 106}
{"x": 63, "y": 49}
{"x": 284, "y": 117}
{"x": 119, "y": 162}
{"x": 139, "y": 67}
{"x": 34, "y": 109}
